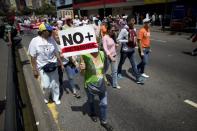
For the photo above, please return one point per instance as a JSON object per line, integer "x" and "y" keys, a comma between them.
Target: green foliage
{"x": 46, "y": 9}
{"x": 27, "y": 11}
{"x": 2, "y": 13}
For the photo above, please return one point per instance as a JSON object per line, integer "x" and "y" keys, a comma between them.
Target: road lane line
{"x": 191, "y": 103}
{"x": 162, "y": 41}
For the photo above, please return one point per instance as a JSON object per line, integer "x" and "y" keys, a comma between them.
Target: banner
{"x": 155, "y": 1}
{"x": 78, "y": 41}
{"x": 68, "y": 14}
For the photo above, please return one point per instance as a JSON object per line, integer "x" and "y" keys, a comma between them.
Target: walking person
{"x": 144, "y": 46}
{"x": 92, "y": 66}
{"x": 44, "y": 57}
{"x": 70, "y": 64}
{"x": 109, "y": 47}
{"x": 127, "y": 39}
{"x": 195, "y": 31}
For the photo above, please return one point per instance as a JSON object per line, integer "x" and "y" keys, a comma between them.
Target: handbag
{"x": 194, "y": 39}
{"x": 98, "y": 88}
{"x": 50, "y": 67}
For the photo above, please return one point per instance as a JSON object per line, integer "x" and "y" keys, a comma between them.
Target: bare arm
{"x": 82, "y": 65}
{"x": 9, "y": 39}
{"x": 59, "y": 60}
{"x": 34, "y": 66}
{"x": 140, "y": 47}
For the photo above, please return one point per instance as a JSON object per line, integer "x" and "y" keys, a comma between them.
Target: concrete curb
{"x": 43, "y": 116}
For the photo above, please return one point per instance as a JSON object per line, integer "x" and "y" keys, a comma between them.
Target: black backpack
{"x": 14, "y": 32}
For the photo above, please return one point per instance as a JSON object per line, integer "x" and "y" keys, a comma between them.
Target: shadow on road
{"x": 67, "y": 88}
{"x": 188, "y": 53}
{"x": 2, "y": 105}
{"x": 85, "y": 108}
{"x": 125, "y": 74}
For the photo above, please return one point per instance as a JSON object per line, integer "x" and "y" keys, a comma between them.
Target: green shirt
{"x": 93, "y": 73}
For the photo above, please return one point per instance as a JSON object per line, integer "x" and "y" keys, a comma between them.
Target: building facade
{"x": 114, "y": 7}
{"x": 64, "y": 8}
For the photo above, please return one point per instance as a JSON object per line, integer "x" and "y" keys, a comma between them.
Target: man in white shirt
{"x": 76, "y": 21}
{"x": 153, "y": 19}
{"x": 60, "y": 23}
{"x": 85, "y": 20}
{"x": 44, "y": 56}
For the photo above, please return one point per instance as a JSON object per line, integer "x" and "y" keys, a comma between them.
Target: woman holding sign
{"x": 92, "y": 66}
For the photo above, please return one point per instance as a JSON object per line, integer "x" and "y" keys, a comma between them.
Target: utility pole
{"x": 104, "y": 7}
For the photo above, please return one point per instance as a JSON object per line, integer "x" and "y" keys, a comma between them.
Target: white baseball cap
{"x": 125, "y": 17}
{"x": 146, "y": 20}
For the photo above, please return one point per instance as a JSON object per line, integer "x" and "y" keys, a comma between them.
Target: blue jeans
{"x": 113, "y": 70}
{"x": 144, "y": 60}
{"x": 102, "y": 105}
{"x": 131, "y": 56}
{"x": 71, "y": 74}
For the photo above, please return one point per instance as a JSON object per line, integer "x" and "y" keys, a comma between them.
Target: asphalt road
{"x": 159, "y": 105}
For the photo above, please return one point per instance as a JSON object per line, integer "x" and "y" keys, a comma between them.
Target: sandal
{"x": 77, "y": 95}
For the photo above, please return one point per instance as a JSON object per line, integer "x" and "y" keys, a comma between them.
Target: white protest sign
{"x": 78, "y": 41}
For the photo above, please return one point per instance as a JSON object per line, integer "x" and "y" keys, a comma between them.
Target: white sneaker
{"x": 145, "y": 75}
{"x": 58, "y": 102}
{"x": 46, "y": 101}
{"x": 117, "y": 87}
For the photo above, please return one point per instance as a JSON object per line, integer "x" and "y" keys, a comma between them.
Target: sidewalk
{"x": 7, "y": 89}
{"x": 3, "y": 81}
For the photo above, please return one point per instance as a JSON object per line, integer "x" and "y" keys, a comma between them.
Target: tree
{"x": 46, "y": 9}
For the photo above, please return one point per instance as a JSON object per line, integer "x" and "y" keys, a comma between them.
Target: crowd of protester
{"x": 49, "y": 63}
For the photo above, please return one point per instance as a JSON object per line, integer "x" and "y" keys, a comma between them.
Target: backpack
{"x": 194, "y": 39}
{"x": 14, "y": 32}
{"x": 131, "y": 38}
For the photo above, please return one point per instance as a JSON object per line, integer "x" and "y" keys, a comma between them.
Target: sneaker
{"x": 120, "y": 76}
{"x": 145, "y": 75}
{"x": 94, "y": 118}
{"x": 58, "y": 102}
{"x": 107, "y": 126}
{"x": 76, "y": 95}
{"x": 117, "y": 87}
{"x": 140, "y": 81}
{"x": 46, "y": 101}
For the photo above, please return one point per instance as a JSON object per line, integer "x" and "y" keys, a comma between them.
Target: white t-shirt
{"x": 85, "y": 22}
{"x": 76, "y": 22}
{"x": 60, "y": 23}
{"x": 44, "y": 50}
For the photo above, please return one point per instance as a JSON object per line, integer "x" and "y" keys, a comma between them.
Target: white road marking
{"x": 191, "y": 103}
{"x": 159, "y": 40}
